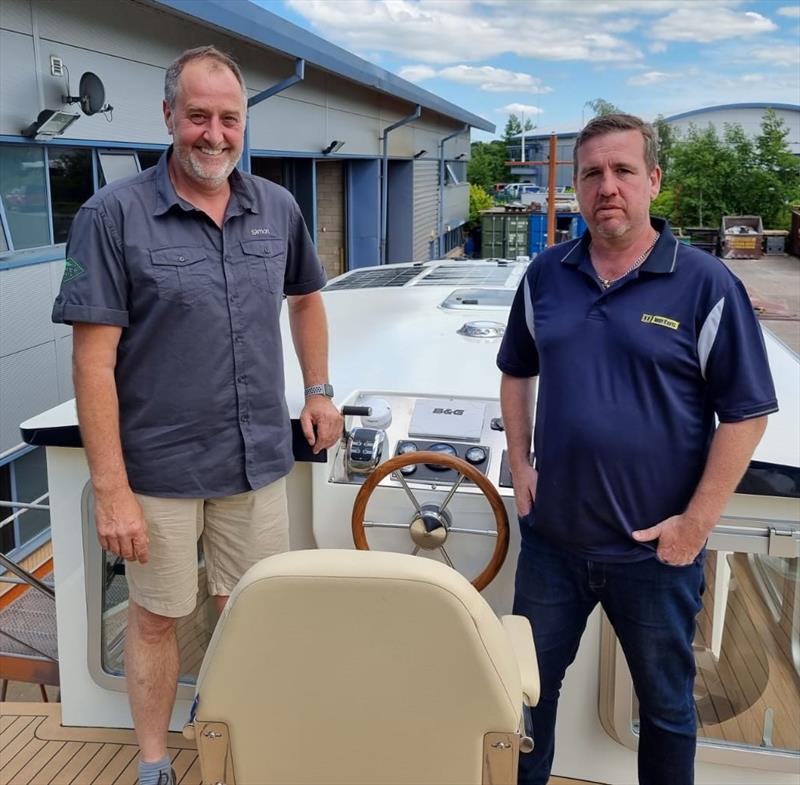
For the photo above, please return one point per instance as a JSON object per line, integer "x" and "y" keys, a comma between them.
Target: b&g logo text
{"x": 440, "y": 410}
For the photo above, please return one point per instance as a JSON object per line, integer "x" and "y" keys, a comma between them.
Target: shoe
{"x": 166, "y": 779}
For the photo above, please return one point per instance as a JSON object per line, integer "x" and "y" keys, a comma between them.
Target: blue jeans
{"x": 652, "y": 608}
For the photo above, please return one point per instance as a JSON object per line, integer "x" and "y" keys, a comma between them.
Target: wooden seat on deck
{"x": 362, "y": 668}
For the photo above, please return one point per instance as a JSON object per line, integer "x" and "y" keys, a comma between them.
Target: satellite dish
{"x": 92, "y": 95}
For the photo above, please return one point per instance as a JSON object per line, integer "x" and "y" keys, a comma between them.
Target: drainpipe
{"x": 299, "y": 73}
{"x": 385, "y": 175}
{"x": 440, "y": 221}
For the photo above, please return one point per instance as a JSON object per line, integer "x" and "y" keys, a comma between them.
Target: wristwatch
{"x": 319, "y": 389}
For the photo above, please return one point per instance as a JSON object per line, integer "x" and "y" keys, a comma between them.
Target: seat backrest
{"x": 359, "y": 668}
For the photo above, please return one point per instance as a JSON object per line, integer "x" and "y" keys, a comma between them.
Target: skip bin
{"x": 742, "y": 236}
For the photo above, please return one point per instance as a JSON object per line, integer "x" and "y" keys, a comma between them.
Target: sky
{"x": 544, "y": 59}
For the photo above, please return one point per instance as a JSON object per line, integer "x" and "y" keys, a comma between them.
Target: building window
{"x": 114, "y": 165}
{"x": 23, "y": 190}
{"x": 23, "y": 478}
{"x": 148, "y": 158}
{"x": 455, "y": 172}
{"x": 70, "y": 185}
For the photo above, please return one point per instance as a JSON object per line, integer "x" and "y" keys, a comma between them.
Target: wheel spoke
{"x": 379, "y": 525}
{"x": 480, "y": 532}
{"x": 447, "y": 557}
{"x": 408, "y": 491}
{"x": 415, "y": 551}
{"x": 452, "y": 492}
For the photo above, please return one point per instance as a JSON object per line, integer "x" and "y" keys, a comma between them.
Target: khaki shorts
{"x": 237, "y": 531}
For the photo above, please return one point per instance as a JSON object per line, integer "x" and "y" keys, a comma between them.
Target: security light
{"x": 420, "y": 153}
{"x": 333, "y": 147}
{"x": 49, "y": 123}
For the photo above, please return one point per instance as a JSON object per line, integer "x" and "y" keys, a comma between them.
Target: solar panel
{"x": 375, "y": 278}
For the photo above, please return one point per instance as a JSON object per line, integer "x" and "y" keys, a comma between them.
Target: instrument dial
{"x": 475, "y": 455}
{"x": 445, "y": 449}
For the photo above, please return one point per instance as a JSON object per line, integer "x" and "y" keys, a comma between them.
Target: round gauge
{"x": 444, "y": 448}
{"x": 408, "y": 469}
{"x": 406, "y": 447}
{"x": 475, "y": 455}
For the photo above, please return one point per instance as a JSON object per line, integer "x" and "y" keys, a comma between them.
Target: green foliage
{"x": 487, "y": 164}
{"x": 709, "y": 176}
{"x": 478, "y": 200}
{"x": 667, "y": 136}
{"x": 514, "y": 127}
{"x": 664, "y": 204}
{"x": 601, "y": 107}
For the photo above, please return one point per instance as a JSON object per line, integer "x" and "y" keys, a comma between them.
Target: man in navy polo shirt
{"x": 174, "y": 282}
{"x": 638, "y": 342}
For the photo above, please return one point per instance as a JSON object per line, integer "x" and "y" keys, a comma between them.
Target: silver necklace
{"x": 606, "y": 282}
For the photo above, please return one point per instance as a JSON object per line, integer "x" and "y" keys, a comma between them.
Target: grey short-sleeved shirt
{"x": 199, "y": 365}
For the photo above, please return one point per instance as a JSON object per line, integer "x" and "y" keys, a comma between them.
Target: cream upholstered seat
{"x": 362, "y": 668}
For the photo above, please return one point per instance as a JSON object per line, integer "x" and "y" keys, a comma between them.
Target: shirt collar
{"x": 661, "y": 259}
{"x": 242, "y": 197}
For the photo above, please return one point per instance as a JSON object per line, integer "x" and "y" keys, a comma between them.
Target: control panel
{"x": 476, "y": 455}
{"x": 388, "y": 425}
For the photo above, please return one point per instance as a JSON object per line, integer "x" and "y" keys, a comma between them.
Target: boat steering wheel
{"x": 431, "y": 524}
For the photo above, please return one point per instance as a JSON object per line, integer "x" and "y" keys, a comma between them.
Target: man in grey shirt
{"x": 174, "y": 283}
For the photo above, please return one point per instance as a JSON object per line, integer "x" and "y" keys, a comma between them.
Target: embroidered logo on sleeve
{"x": 661, "y": 321}
{"x": 72, "y": 270}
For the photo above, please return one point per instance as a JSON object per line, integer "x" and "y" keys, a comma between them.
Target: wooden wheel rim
{"x": 459, "y": 465}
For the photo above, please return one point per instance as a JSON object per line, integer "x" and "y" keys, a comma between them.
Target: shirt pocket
{"x": 182, "y": 273}
{"x": 266, "y": 263}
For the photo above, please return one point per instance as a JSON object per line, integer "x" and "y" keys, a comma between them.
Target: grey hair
{"x": 199, "y": 53}
{"x": 610, "y": 123}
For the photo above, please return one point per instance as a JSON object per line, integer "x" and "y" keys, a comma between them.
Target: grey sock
{"x": 150, "y": 772}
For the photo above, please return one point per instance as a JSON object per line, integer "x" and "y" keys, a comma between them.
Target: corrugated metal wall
{"x": 35, "y": 355}
{"x": 426, "y": 205}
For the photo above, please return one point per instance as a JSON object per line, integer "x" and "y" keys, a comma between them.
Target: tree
{"x": 514, "y": 127}
{"x": 487, "y": 164}
{"x": 711, "y": 176}
{"x": 601, "y": 107}
{"x": 666, "y": 137}
{"x": 478, "y": 200}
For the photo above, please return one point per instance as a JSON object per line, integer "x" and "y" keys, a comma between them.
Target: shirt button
{"x": 181, "y": 258}
{"x": 241, "y": 379}
{"x": 227, "y": 257}
{"x": 238, "y": 338}
{"x": 244, "y": 418}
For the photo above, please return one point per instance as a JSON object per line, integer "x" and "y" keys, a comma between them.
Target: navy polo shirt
{"x": 630, "y": 380}
{"x": 199, "y": 369}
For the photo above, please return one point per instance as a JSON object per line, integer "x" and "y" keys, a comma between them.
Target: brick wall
{"x": 330, "y": 216}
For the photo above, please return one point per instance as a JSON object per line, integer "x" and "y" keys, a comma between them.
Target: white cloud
{"x": 703, "y": 25}
{"x": 520, "y": 109}
{"x": 657, "y": 47}
{"x": 445, "y": 32}
{"x": 494, "y": 80}
{"x": 417, "y": 73}
{"x": 792, "y": 11}
{"x": 652, "y": 77}
{"x": 777, "y": 55}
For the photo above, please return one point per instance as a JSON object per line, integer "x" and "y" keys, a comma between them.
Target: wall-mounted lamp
{"x": 50, "y": 123}
{"x": 420, "y": 154}
{"x": 460, "y": 156}
{"x": 333, "y": 147}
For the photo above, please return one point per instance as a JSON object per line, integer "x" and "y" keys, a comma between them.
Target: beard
{"x": 212, "y": 173}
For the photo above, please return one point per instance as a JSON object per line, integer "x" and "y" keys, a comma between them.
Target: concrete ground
{"x": 773, "y": 283}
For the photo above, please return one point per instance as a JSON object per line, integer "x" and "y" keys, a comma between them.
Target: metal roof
{"x": 757, "y": 105}
{"x": 255, "y": 24}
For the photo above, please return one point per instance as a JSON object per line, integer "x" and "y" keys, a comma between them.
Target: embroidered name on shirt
{"x": 661, "y": 321}
{"x": 260, "y": 231}
{"x": 72, "y": 269}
